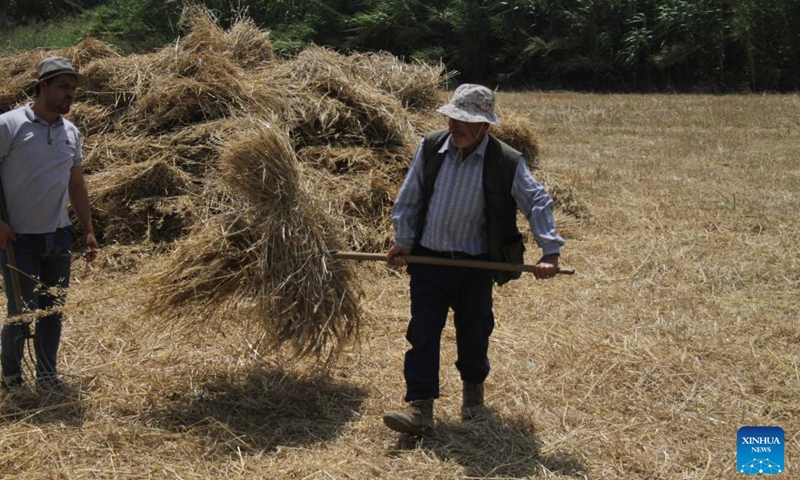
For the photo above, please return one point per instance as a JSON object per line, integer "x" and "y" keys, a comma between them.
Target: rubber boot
{"x": 417, "y": 420}
{"x": 472, "y": 401}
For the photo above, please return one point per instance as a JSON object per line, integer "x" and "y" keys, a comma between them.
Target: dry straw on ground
{"x": 221, "y": 177}
{"x": 680, "y": 326}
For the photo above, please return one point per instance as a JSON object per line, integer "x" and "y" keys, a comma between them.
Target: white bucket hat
{"x": 472, "y": 104}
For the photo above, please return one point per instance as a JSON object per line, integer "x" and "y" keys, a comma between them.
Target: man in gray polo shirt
{"x": 41, "y": 173}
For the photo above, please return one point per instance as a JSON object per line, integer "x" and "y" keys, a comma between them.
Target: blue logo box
{"x": 760, "y": 450}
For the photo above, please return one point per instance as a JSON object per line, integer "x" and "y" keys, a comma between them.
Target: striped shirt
{"x": 456, "y": 219}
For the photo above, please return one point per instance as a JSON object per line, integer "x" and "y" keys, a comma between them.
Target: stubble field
{"x": 680, "y": 327}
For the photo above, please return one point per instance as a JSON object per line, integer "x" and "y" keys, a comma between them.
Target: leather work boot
{"x": 472, "y": 403}
{"x": 417, "y": 420}
{"x": 11, "y": 382}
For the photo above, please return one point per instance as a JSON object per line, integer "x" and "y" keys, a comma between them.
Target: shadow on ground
{"x": 41, "y": 406}
{"x": 494, "y": 447}
{"x": 266, "y": 409}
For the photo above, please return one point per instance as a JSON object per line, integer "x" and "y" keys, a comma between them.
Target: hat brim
{"x": 468, "y": 117}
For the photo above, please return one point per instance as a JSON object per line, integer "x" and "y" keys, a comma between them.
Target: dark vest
{"x": 499, "y": 167}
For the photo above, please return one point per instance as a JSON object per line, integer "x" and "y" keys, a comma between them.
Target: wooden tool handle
{"x": 453, "y": 262}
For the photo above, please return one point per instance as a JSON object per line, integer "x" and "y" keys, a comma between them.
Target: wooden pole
{"x": 453, "y": 262}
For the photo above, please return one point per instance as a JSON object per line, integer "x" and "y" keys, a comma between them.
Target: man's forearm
{"x": 79, "y": 198}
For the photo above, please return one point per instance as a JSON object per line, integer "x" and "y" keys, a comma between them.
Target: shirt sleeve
{"x": 537, "y": 206}
{"x": 77, "y": 161}
{"x": 405, "y": 213}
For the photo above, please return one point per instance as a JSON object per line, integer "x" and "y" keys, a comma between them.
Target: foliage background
{"x": 596, "y": 45}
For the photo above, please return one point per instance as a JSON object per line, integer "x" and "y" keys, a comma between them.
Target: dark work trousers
{"x": 45, "y": 260}
{"x": 434, "y": 290}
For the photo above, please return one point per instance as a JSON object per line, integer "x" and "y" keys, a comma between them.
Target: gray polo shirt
{"x": 35, "y": 163}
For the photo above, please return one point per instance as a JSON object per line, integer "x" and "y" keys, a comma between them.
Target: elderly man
{"x": 459, "y": 200}
{"x": 40, "y": 171}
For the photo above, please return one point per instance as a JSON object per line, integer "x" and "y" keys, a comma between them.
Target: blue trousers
{"x": 45, "y": 260}
{"x": 434, "y": 290}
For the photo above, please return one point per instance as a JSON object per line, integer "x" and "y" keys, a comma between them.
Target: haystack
{"x": 88, "y": 50}
{"x": 197, "y": 147}
{"x": 366, "y": 209}
{"x": 327, "y": 120}
{"x": 249, "y": 169}
{"x": 175, "y": 102}
{"x": 339, "y": 160}
{"x": 197, "y": 79}
{"x": 354, "y": 182}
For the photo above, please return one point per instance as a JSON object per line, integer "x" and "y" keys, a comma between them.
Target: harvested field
{"x": 680, "y": 326}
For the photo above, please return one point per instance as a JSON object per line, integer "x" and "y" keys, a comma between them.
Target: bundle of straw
{"x": 248, "y": 44}
{"x": 148, "y": 201}
{"x": 378, "y": 116}
{"x": 267, "y": 259}
{"x": 516, "y": 131}
{"x": 118, "y": 81}
{"x": 89, "y": 49}
{"x": 416, "y": 86}
{"x": 90, "y": 119}
{"x": 17, "y": 75}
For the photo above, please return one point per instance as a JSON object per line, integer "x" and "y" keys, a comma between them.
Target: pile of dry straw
{"x": 250, "y": 167}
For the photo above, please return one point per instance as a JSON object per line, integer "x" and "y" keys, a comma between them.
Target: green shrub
{"x": 136, "y": 25}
